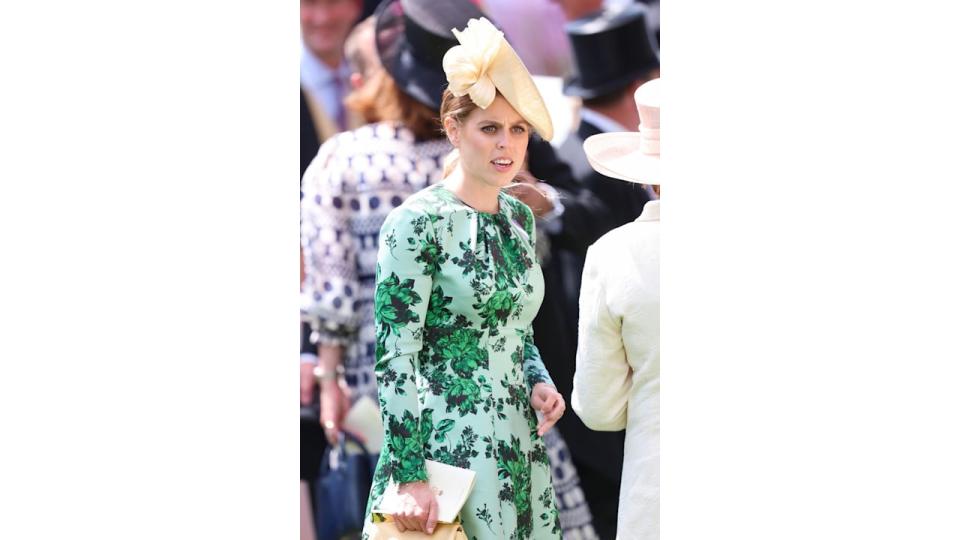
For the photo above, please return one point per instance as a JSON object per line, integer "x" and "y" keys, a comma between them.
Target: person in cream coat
{"x": 617, "y": 380}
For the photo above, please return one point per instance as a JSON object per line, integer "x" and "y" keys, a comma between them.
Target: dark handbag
{"x": 342, "y": 489}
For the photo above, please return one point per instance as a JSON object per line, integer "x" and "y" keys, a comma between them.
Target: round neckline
{"x": 500, "y": 201}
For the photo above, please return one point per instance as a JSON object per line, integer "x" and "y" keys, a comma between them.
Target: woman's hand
{"x": 307, "y": 382}
{"x": 525, "y": 189}
{"x": 334, "y": 404}
{"x": 418, "y": 508}
{"x": 334, "y": 392}
{"x": 549, "y": 402}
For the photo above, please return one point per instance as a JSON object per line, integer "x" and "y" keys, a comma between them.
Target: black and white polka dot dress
{"x": 357, "y": 178}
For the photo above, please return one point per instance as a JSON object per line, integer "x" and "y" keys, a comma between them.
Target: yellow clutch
{"x": 387, "y": 530}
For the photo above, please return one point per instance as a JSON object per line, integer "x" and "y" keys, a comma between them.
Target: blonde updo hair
{"x": 455, "y": 107}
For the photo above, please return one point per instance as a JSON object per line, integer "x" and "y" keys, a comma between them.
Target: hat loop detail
{"x": 467, "y": 65}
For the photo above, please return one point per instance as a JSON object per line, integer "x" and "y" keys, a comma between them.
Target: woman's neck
{"x": 476, "y": 194}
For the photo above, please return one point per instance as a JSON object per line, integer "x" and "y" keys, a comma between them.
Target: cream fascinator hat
{"x": 484, "y": 63}
{"x": 631, "y": 156}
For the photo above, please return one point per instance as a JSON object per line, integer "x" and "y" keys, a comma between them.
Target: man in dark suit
{"x": 615, "y": 54}
{"x": 324, "y": 73}
{"x": 309, "y": 138}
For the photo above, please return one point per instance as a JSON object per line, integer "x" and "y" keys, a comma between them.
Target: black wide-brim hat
{"x": 612, "y": 48}
{"x": 413, "y": 35}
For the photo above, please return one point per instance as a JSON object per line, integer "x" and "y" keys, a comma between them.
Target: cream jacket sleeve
{"x": 601, "y": 383}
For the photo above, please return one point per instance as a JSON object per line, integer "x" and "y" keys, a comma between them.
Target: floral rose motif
{"x": 467, "y": 64}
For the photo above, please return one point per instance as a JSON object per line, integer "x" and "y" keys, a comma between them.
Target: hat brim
{"x": 574, "y": 86}
{"x": 417, "y": 80}
{"x": 513, "y": 80}
{"x": 422, "y": 81}
{"x": 618, "y": 155}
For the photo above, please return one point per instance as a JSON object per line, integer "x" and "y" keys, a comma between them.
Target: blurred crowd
{"x": 370, "y": 138}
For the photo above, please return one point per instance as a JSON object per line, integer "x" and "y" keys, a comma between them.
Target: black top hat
{"x": 412, "y": 37}
{"x": 612, "y": 48}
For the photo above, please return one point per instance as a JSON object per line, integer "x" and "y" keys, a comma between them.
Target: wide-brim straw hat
{"x": 484, "y": 63}
{"x": 631, "y": 156}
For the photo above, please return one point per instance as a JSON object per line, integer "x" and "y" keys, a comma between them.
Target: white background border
{"x": 148, "y": 221}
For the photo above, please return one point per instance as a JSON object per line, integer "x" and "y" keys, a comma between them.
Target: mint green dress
{"x": 456, "y": 293}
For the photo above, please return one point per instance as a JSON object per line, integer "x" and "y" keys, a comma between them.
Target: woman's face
{"x": 492, "y": 143}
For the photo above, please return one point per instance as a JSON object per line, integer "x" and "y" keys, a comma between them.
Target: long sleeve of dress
{"x": 331, "y": 285}
{"x": 601, "y": 383}
{"x": 404, "y": 279}
{"x": 533, "y": 368}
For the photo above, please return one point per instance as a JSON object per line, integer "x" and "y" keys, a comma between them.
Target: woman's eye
{"x": 519, "y": 129}
{"x": 489, "y": 129}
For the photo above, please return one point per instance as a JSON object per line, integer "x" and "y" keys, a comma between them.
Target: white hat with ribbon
{"x": 631, "y": 156}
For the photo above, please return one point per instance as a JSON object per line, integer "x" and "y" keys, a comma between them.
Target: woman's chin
{"x": 499, "y": 180}
{"x": 503, "y": 179}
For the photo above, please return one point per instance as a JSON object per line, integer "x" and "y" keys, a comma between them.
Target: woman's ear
{"x": 452, "y": 128}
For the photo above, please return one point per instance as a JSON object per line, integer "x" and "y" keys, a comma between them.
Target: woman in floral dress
{"x": 458, "y": 285}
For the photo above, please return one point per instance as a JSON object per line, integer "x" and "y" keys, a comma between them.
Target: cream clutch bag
{"x": 451, "y": 485}
{"x": 387, "y": 530}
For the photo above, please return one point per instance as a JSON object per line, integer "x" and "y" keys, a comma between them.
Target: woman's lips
{"x": 502, "y": 165}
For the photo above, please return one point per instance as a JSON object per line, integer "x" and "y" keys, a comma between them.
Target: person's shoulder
{"x": 396, "y": 141}
{"x": 360, "y": 139}
{"x": 332, "y": 167}
{"x": 367, "y": 139}
{"x": 514, "y": 204}
{"x": 384, "y": 131}
{"x": 398, "y": 135}
{"x": 519, "y": 212}
{"x": 419, "y": 209}
{"x": 635, "y": 240}
{"x": 614, "y": 241}
{"x": 341, "y": 146}
{"x": 412, "y": 208}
